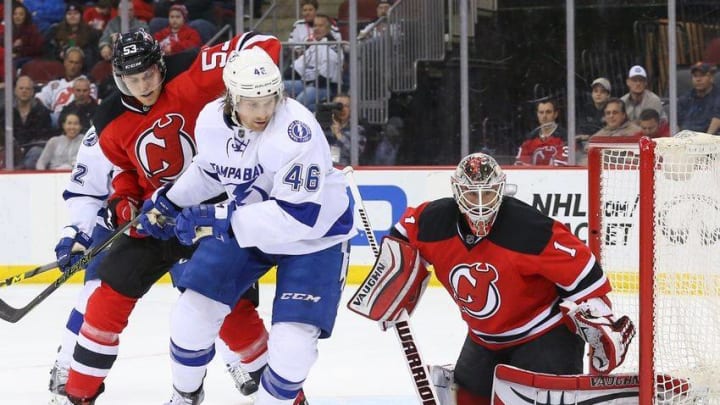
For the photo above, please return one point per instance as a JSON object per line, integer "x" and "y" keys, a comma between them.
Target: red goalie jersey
{"x": 153, "y": 146}
{"x": 507, "y": 285}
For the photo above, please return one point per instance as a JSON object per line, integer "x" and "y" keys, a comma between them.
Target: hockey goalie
{"x": 531, "y": 293}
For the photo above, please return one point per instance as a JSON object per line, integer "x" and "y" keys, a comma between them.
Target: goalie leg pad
{"x": 513, "y": 385}
{"x": 396, "y": 282}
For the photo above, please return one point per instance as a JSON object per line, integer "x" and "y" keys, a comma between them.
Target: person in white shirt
{"x": 317, "y": 72}
{"x": 288, "y": 207}
{"x": 61, "y": 151}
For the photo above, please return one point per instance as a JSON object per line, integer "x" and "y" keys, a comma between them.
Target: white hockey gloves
{"x": 395, "y": 283}
{"x": 608, "y": 339}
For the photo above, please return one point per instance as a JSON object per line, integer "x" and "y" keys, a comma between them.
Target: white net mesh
{"x": 686, "y": 249}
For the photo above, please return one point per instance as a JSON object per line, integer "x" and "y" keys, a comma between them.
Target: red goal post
{"x": 654, "y": 225}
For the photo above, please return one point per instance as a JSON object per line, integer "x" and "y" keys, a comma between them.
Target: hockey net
{"x": 654, "y": 224}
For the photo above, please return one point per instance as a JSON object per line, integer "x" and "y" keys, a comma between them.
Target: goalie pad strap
{"x": 395, "y": 283}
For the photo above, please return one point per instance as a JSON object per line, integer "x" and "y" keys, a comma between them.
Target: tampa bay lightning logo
{"x": 243, "y": 190}
{"x": 299, "y": 131}
{"x": 90, "y": 138}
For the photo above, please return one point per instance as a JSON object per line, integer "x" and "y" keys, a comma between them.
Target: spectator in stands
{"x": 31, "y": 123}
{"x": 316, "y": 73}
{"x": 58, "y": 93}
{"x": 27, "y": 40}
{"x": 178, "y": 35}
{"x": 45, "y": 12}
{"x": 545, "y": 145}
{"x": 143, "y": 10}
{"x": 83, "y": 104}
{"x": 61, "y": 151}
{"x": 113, "y": 29}
{"x": 652, "y": 125}
{"x": 303, "y": 29}
{"x": 699, "y": 110}
{"x": 616, "y": 120}
{"x": 639, "y": 97}
{"x": 389, "y": 143}
{"x": 73, "y": 32}
{"x": 590, "y": 115}
{"x": 339, "y": 136}
{"x": 98, "y": 16}
{"x": 379, "y": 24}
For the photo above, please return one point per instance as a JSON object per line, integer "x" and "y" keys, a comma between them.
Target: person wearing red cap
{"x": 178, "y": 35}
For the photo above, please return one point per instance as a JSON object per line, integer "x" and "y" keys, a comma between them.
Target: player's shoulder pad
{"x": 521, "y": 228}
{"x": 179, "y": 62}
{"x": 109, "y": 109}
{"x": 438, "y": 221}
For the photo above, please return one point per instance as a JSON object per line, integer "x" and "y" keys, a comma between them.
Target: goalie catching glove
{"x": 608, "y": 339}
{"x": 396, "y": 282}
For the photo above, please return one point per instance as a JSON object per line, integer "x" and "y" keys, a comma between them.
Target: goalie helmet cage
{"x": 654, "y": 225}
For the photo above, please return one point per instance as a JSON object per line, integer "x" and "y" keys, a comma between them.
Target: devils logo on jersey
{"x": 165, "y": 150}
{"x": 474, "y": 289}
{"x": 545, "y": 155}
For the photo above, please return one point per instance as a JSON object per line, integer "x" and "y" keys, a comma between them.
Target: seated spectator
{"x": 73, "y": 32}
{"x": 31, "y": 123}
{"x": 339, "y": 136}
{"x": 45, "y": 12}
{"x": 303, "y": 29}
{"x": 379, "y": 24}
{"x": 699, "y": 110}
{"x": 27, "y": 40}
{"x": 98, "y": 16}
{"x": 113, "y": 29}
{"x": 652, "y": 125}
{"x": 58, "y": 93}
{"x": 83, "y": 104}
{"x": 177, "y": 36}
{"x": 388, "y": 146}
{"x": 616, "y": 120}
{"x": 639, "y": 97}
{"x": 545, "y": 145}
{"x": 60, "y": 152}
{"x": 317, "y": 72}
{"x": 590, "y": 115}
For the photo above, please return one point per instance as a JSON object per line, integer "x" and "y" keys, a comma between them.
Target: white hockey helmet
{"x": 252, "y": 73}
{"x": 478, "y": 185}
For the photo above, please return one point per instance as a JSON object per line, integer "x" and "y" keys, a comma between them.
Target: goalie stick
{"x": 28, "y": 274}
{"x": 11, "y": 314}
{"x": 413, "y": 360}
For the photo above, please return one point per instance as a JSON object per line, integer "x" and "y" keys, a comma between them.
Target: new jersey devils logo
{"x": 165, "y": 150}
{"x": 545, "y": 155}
{"x": 474, "y": 289}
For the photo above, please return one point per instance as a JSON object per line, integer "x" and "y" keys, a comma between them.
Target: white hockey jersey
{"x": 89, "y": 184}
{"x": 290, "y": 198}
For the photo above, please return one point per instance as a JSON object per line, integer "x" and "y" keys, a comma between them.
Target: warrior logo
{"x": 165, "y": 150}
{"x": 474, "y": 289}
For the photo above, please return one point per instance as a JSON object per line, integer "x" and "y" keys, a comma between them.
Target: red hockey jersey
{"x": 153, "y": 146}
{"x": 507, "y": 285}
{"x": 536, "y": 151}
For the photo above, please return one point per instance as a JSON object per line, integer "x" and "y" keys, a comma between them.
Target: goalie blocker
{"x": 395, "y": 283}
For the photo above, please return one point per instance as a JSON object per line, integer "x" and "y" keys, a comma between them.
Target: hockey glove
{"x": 192, "y": 219}
{"x": 120, "y": 210}
{"x": 608, "y": 339}
{"x": 157, "y": 216}
{"x": 71, "y": 247}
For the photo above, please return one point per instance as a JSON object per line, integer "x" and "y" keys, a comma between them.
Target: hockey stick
{"x": 32, "y": 273}
{"x": 413, "y": 360}
{"x": 11, "y": 314}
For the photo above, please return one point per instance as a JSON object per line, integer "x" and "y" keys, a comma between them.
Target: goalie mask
{"x": 478, "y": 185}
{"x": 138, "y": 66}
{"x": 254, "y": 87}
